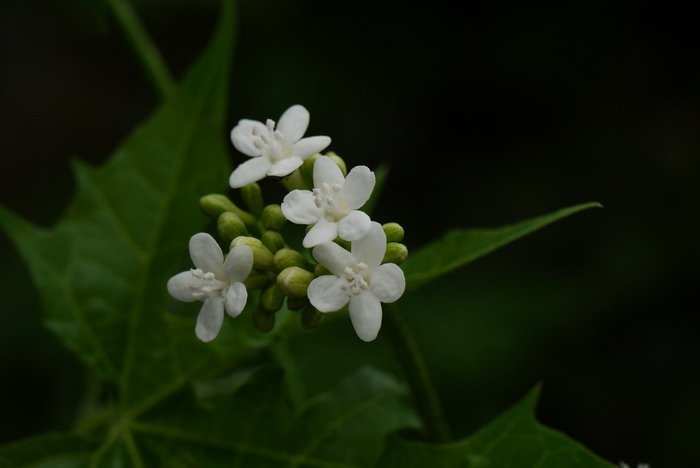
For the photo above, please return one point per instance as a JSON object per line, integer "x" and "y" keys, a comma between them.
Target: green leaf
{"x": 53, "y": 450}
{"x": 514, "y": 440}
{"x": 461, "y": 246}
{"x": 102, "y": 269}
{"x": 257, "y": 426}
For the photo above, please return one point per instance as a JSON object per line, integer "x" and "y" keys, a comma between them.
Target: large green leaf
{"x": 102, "y": 269}
{"x": 52, "y": 450}
{"x": 461, "y": 246}
{"x": 514, "y": 440}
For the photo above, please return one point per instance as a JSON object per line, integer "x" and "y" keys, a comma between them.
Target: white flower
{"x": 276, "y": 152}
{"x": 333, "y": 204}
{"x": 214, "y": 281}
{"x": 357, "y": 278}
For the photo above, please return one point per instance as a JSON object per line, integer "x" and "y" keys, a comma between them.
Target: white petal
{"x": 323, "y": 231}
{"x": 285, "y": 167}
{"x": 242, "y": 136}
{"x": 366, "y": 315}
{"x": 326, "y": 171}
{"x": 325, "y": 294}
{"x": 238, "y": 263}
{"x": 358, "y": 187}
{"x": 235, "y": 300}
{"x": 179, "y": 286}
{"x": 299, "y": 207}
{"x": 206, "y": 254}
{"x": 210, "y": 318}
{"x": 293, "y": 123}
{"x": 310, "y": 145}
{"x": 250, "y": 171}
{"x": 333, "y": 257}
{"x": 388, "y": 282}
{"x": 354, "y": 226}
{"x": 371, "y": 248}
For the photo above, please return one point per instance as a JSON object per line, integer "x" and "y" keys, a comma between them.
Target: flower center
{"x": 206, "y": 285}
{"x": 327, "y": 198}
{"x": 357, "y": 278}
{"x": 271, "y": 142}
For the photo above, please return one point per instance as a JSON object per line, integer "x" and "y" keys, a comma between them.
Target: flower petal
{"x": 243, "y": 139}
{"x": 179, "y": 286}
{"x": 323, "y": 231}
{"x": 358, "y": 187}
{"x": 325, "y": 294}
{"x": 366, "y": 315}
{"x": 206, "y": 254}
{"x": 371, "y": 248}
{"x": 236, "y": 297}
{"x": 310, "y": 145}
{"x": 210, "y": 319}
{"x": 388, "y": 282}
{"x": 238, "y": 263}
{"x": 299, "y": 207}
{"x": 326, "y": 171}
{"x": 249, "y": 172}
{"x": 293, "y": 123}
{"x": 285, "y": 167}
{"x": 333, "y": 257}
{"x": 354, "y": 226}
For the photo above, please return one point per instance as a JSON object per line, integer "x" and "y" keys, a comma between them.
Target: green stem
{"x": 425, "y": 396}
{"x": 147, "y": 53}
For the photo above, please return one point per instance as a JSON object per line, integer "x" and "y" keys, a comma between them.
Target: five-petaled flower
{"x": 275, "y": 151}
{"x": 333, "y": 204}
{"x": 215, "y": 281}
{"x": 358, "y": 278}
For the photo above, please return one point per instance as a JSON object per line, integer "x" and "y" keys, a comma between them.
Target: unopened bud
{"x": 310, "y": 317}
{"x": 214, "y": 204}
{"x": 294, "y": 281}
{"x": 296, "y": 303}
{"x": 252, "y": 196}
{"x": 230, "y": 226}
{"x": 339, "y": 162}
{"x": 394, "y": 232}
{"x": 273, "y": 218}
{"x": 263, "y": 320}
{"x": 343, "y": 243}
{"x": 307, "y": 170}
{"x": 273, "y": 240}
{"x": 262, "y": 257}
{"x": 285, "y": 258}
{"x": 271, "y": 299}
{"x": 395, "y": 253}
{"x": 320, "y": 270}
{"x": 255, "y": 281}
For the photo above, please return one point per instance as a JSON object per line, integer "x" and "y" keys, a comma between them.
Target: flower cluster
{"x": 356, "y": 258}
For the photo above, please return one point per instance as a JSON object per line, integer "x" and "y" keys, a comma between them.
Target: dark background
{"x": 489, "y": 116}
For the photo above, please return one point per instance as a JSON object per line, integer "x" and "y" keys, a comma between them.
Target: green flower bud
{"x": 272, "y": 218}
{"x": 307, "y": 170}
{"x": 339, "y": 161}
{"x": 394, "y": 232}
{"x": 256, "y": 281}
{"x": 320, "y": 270}
{"x": 294, "y": 281}
{"x": 273, "y": 240}
{"x": 342, "y": 242}
{"x": 263, "y": 320}
{"x": 310, "y": 317}
{"x": 230, "y": 226}
{"x": 296, "y": 303}
{"x": 271, "y": 299}
{"x": 214, "y": 204}
{"x": 262, "y": 257}
{"x": 252, "y": 196}
{"x": 285, "y": 258}
{"x": 395, "y": 253}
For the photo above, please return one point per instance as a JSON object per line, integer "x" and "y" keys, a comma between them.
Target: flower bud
{"x": 255, "y": 281}
{"x": 230, "y": 226}
{"x": 307, "y": 170}
{"x": 273, "y": 240}
{"x": 395, "y": 253}
{"x": 272, "y": 218}
{"x": 294, "y": 281}
{"x": 339, "y": 161}
{"x": 263, "y": 320}
{"x": 310, "y": 317}
{"x": 214, "y": 204}
{"x": 285, "y": 258}
{"x": 271, "y": 299}
{"x": 394, "y": 232}
{"x": 262, "y": 257}
{"x": 320, "y": 270}
{"x": 343, "y": 243}
{"x": 252, "y": 196}
{"x": 296, "y": 303}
